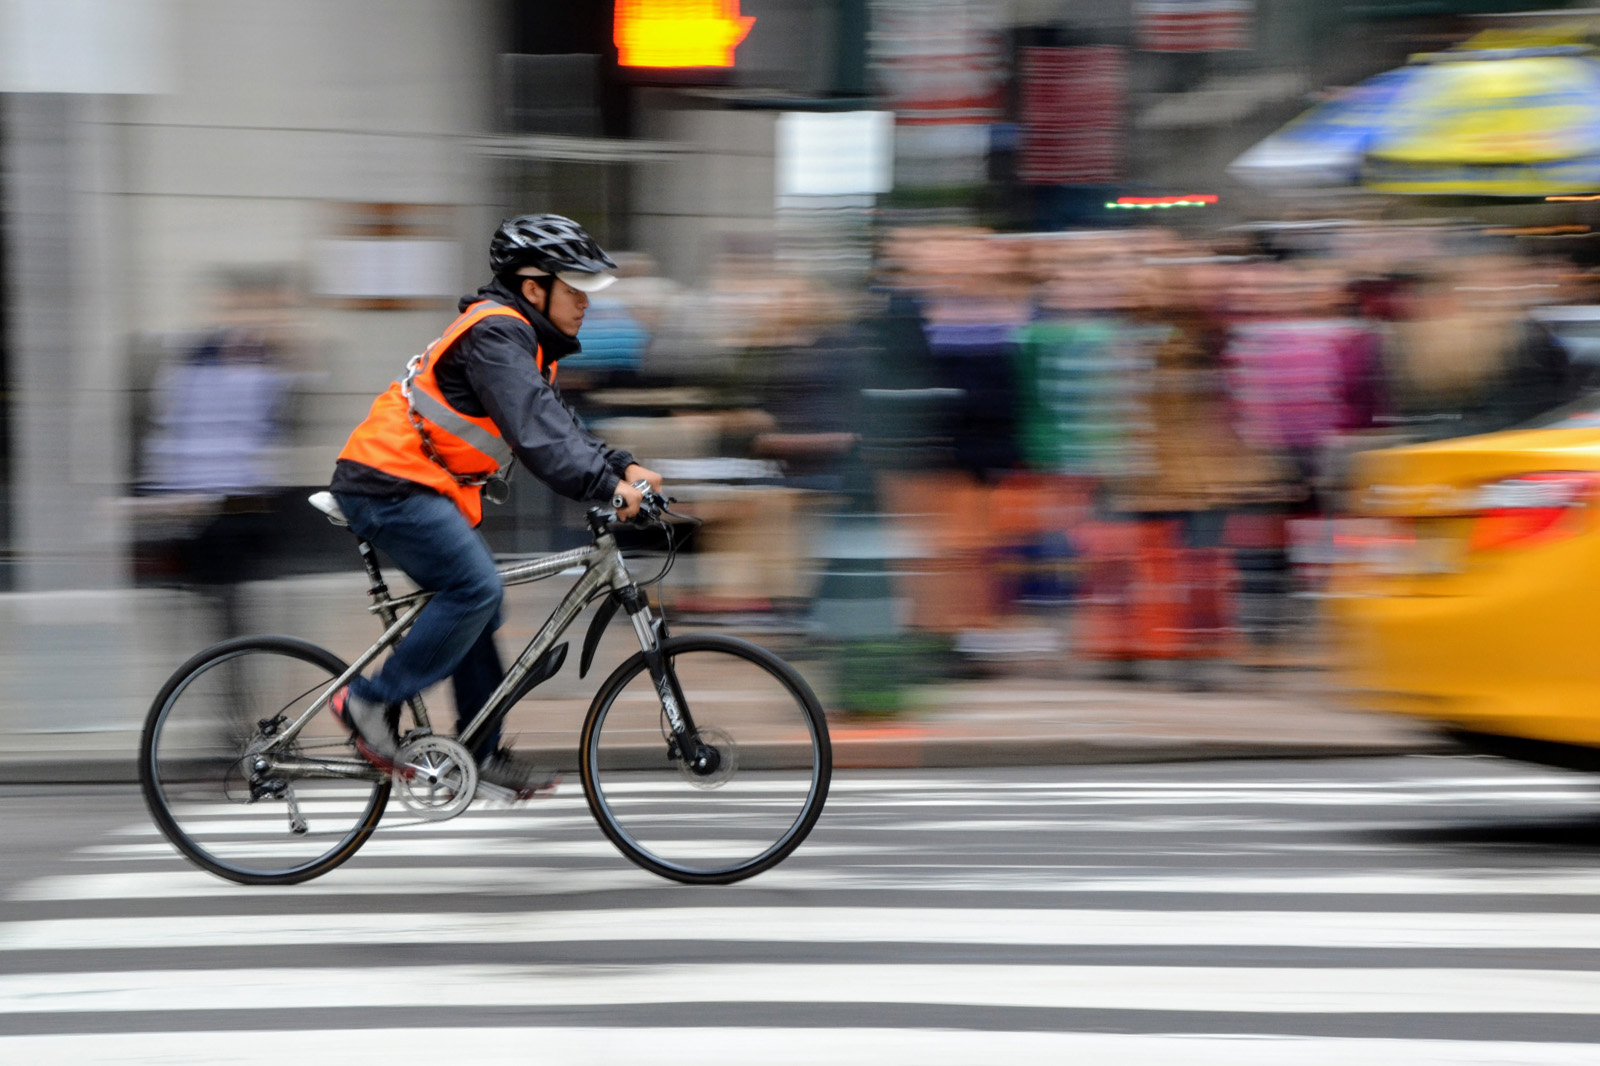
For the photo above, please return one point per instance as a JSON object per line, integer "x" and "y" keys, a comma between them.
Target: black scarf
{"x": 555, "y": 344}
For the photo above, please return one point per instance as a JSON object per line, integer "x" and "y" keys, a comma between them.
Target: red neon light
{"x": 675, "y": 34}
{"x": 1201, "y": 198}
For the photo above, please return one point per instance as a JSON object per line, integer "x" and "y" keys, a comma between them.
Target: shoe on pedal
{"x": 505, "y": 769}
{"x": 370, "y": 724}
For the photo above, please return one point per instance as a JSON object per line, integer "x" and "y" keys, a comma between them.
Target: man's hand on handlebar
{"x": 636, "y": 473}
{"x": 632, "y": 491}
{"x": 626, "y": 500}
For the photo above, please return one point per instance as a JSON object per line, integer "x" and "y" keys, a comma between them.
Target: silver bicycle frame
{"x": 603, "y": 571}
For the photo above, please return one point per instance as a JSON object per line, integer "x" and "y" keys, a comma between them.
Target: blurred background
{"x": 993, "y": 339}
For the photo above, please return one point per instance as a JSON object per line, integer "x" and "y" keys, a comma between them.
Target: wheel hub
{"x": 715, "y": 761}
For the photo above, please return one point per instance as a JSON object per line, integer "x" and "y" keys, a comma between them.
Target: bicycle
{"x": 704, "y": 758}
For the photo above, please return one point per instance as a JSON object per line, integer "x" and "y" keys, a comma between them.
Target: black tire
{"x": 771, "y": 730}
{"x": 190, "y": 764}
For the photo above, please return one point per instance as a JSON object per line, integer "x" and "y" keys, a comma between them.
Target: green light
{"x": 1163, "y": 206}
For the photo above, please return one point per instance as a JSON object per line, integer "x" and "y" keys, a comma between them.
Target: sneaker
{"x": 505, "y": 769}
{"x": 369, "y": 723}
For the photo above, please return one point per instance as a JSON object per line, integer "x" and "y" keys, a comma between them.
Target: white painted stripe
{"x": 1214, "y": 799}
{"x": 556, "y": 880}
{"x": 827, "y": 925}
{"x": 749, "y": 784}
{"x": 621, "y": 1046}
{"x": 402, "y": 823}
{"x": 405, "y": 822}
{"x": 190, "y": 883}
{"x": 277, "y": 824}
{"x": 849, "y": 781}
{"x": 411, "y": 847}
{"x": 1139, "y": 823}
{"x": 273, "y": 820}
{"x": 1023, "y": 879}
{"x": 1521, "y": 780}
{"x": 857, "y": 781}
{"x": 977, "y": 794}
{"x": 1254, "y": 990}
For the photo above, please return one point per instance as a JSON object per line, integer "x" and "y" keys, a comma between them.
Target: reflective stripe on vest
{"x": 453, "y": 422}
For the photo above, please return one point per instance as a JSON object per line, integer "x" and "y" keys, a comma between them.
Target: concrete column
{"x": 67, "y": 437}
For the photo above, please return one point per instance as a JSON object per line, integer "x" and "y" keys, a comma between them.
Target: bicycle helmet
{"x": 533, "y": 246}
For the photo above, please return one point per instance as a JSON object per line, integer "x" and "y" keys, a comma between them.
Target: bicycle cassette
{"x": 435, "y": 778}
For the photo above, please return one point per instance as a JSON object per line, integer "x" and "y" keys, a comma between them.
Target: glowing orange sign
{"x": 679, "y": 33}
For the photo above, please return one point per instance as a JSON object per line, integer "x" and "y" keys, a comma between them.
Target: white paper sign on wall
{"x": 843, "y": 153}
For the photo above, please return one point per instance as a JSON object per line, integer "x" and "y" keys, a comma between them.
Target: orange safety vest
{"x": 411, "y": 419}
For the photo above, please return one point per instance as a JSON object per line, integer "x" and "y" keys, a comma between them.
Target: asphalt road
{"x": 1418, "y": 910}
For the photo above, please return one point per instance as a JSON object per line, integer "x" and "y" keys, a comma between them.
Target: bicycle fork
{"x": 685, "y": 745}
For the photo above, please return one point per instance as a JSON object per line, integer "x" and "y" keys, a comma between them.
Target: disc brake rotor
{"x": 435, "y": 778}
{"x": 727, "y": 760}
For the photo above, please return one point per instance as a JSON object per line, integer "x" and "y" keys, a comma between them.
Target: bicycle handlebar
{"x": 650, "y": 509}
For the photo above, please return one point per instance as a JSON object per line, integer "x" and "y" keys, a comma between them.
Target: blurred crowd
{"x": 1100, "y": 449}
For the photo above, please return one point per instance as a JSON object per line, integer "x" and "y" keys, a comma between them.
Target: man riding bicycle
{"x": 412, "y": 477}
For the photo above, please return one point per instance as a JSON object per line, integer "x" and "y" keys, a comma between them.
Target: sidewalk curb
{"x": 913, "y": 751}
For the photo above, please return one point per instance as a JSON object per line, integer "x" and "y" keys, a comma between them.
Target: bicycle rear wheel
{"x": 199, "y": 742}
{"x": 772, "y": 760}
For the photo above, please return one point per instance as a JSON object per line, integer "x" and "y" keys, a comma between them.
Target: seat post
{"x": 376, "y": 588}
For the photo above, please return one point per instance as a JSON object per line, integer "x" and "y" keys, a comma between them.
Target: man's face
{"x": 563, "y": 305}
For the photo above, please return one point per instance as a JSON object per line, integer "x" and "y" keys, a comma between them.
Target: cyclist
{"x": 412, "y": 476}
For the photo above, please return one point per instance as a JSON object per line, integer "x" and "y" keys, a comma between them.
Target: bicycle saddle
{"x": 324, "y": 502}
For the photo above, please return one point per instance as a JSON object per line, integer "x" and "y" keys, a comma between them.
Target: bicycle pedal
{"x": 495, "y": 793}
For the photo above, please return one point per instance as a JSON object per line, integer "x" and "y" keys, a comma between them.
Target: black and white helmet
{"x": 533, "y": 246}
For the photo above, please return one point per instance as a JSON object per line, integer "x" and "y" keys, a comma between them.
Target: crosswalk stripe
{"x": 1220, "y": 798}
{"x": 397, "y": 821}
{"x": 690, "y": 1046}
{"x": 347, "y": 881}
{"x": 827, "y": 925}
{"x": 545, "y": 880}
{"x": 463, "y": 846}
{"x": 1200, "y": 989}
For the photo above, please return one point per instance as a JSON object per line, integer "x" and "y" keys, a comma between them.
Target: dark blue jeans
{"x": 427, "y": 537}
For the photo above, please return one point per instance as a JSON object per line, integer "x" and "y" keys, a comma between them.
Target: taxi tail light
{"x": 1531, "y": 509}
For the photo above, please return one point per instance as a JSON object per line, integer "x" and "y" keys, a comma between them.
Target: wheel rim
{"x": 198, "y": 772}
{"x": 713, "y": 824}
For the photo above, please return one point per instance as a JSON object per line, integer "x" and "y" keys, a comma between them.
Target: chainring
{"x": 728, "y": 752}
{"x": 435, "y": 778}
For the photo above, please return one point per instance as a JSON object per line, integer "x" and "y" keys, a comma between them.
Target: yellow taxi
{"x": 1472, "y": 594}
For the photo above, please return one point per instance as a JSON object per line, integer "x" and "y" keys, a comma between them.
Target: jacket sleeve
{"x": 542, "y": 430}
{"x": 616, "y": 458}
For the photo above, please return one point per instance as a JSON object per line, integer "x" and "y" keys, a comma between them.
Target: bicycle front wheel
{"x": 710, "y": 824}
{"x": 200, "y": 745}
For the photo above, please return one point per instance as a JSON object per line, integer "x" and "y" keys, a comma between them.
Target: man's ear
{"x": 534, "y": 293}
